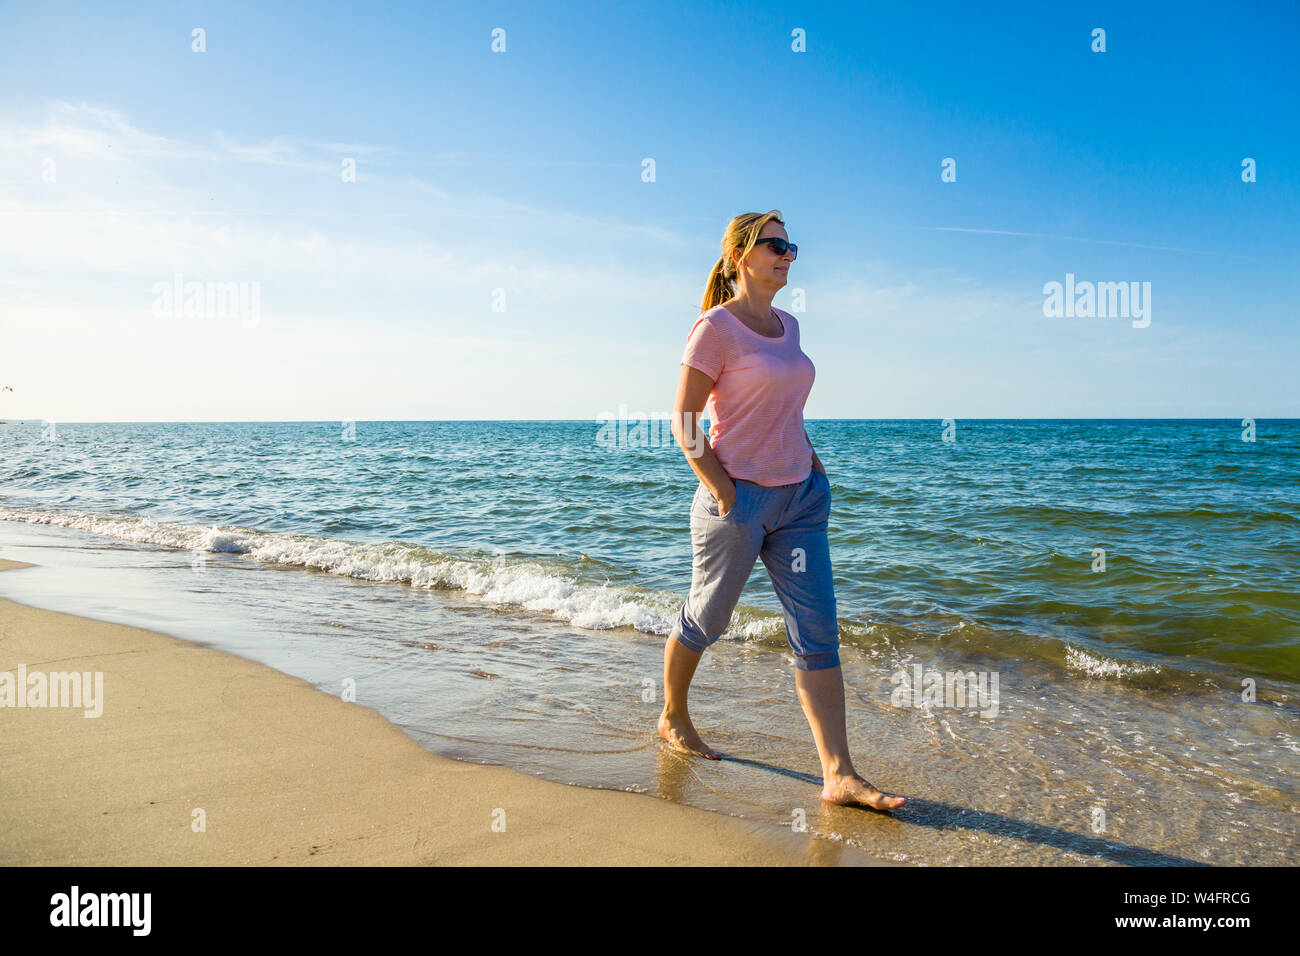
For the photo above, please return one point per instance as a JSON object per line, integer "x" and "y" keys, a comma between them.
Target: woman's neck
{"x": 758, "y": 315}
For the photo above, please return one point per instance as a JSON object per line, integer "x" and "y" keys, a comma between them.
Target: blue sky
{"x": 522, "y": 171}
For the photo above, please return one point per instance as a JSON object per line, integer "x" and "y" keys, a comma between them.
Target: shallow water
{"x": 501, "y": 591}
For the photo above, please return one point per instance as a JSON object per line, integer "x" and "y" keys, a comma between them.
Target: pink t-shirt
{"x": 759, "y": 390}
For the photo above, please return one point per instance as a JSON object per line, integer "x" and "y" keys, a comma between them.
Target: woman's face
{"x": 762, "y": 266}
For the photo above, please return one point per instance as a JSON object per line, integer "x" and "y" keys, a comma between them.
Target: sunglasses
{"x": 781, "y": 246}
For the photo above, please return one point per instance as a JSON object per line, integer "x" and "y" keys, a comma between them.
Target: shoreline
{"x": 286, "y": 774}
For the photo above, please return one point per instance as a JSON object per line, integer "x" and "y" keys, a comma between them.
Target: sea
{"x": 1066, "y": 642}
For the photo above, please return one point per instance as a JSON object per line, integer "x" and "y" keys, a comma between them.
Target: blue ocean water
{"x": 997, "y": 529}
{"x": 1111, "y": 571}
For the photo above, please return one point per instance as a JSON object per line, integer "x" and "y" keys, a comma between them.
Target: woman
{"x": 762, "y": 493}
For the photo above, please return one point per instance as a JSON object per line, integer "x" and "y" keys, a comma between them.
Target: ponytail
{"x": 742, "y": 232}
{"x": 719, "y": 289}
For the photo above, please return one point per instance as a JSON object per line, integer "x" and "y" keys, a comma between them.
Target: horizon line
{"x": 596, "y": 421}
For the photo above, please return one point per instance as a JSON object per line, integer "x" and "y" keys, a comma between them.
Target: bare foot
{"x": 682, "y": 736}
{"x": 854, "y": 791}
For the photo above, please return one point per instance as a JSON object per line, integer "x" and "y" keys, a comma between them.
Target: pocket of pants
{"x": 711, "y": 503}
{"x": 826, "y": 490}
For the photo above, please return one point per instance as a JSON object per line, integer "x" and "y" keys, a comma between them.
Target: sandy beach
{"x": 285, "y": 774}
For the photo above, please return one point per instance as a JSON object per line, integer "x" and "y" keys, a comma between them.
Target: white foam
{"x": 1095, "y": 665}
{"x": 528, "y": 584}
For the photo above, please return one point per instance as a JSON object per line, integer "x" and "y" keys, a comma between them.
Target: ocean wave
{"x": 574, "y": 593}
{"x": 1095, "y": 665}
{"x": 531, "y": 584}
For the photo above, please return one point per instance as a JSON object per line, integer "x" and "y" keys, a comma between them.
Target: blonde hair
{"x": 741, "y": 234}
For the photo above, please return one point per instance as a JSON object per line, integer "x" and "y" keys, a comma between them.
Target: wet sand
{"x": 285, "y": 774}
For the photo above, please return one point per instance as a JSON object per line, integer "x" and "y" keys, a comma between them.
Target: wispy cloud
{"x": 124, "y": 153}
{"x": 130, "y": 207}
{"x": 1104, "y": 242}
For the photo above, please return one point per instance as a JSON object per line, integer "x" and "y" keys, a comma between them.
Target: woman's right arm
{"x": 692, "y": 392}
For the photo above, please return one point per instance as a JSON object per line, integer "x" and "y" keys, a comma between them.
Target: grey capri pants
{"x": 785, "y": 525}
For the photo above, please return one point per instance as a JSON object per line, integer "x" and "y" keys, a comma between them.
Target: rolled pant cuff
{"x": 817, "y": 662}
{"x": 690, "y": 645}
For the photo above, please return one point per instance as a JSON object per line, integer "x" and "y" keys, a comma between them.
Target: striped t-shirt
{"x": 759, "y": 390}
